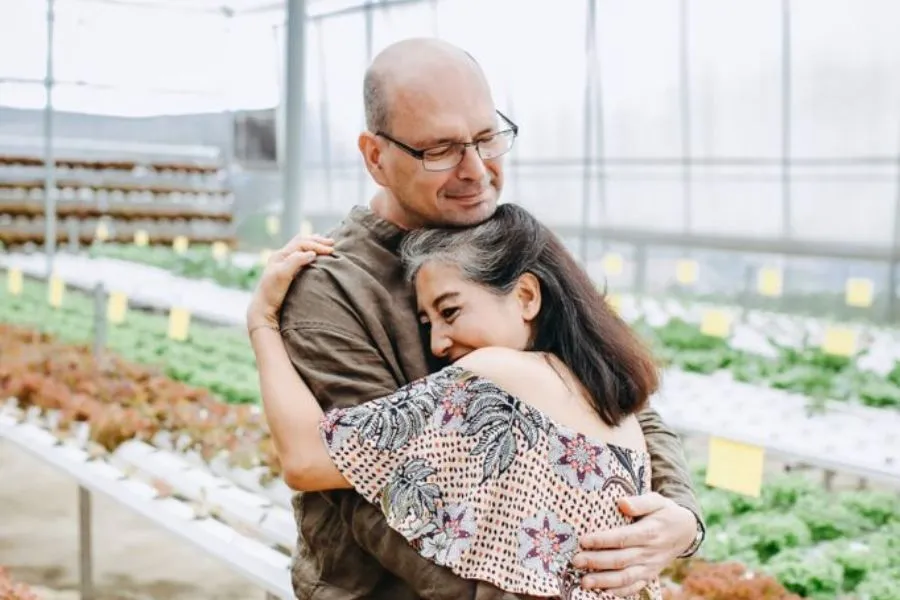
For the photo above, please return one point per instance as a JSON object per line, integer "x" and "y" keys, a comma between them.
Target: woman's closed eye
{"x": 449, "y": 313}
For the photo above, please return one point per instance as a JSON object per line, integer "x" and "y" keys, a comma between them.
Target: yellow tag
{"x": 615, "y": 302}
{"x": 859, "y": 292}
{"x": 102, "y": 232}
{"x": 141, "y": 238}
{"x": 306, "y": 229}
{"x": 769, "y": 282}
{"x": 273, "y": 225}
{"x": 116, "y": 307}
{"x": 180, "y": 244}
{"x": 716, "y": 323}
{"x": 219, "y": 250}
{"x": 179, "y": 322}
{"x": 57, "y": 289}
{"x": 14, "y": 281}
{"x": 686, "y": 271}
{"x": 612, "y": 264}
{"x": 839, "y": 341}
{"x": 264, "y": 256}
{"x": 735, "y": 466}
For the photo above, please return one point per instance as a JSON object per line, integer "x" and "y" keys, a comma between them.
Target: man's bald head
{"x": 404, "y": 64}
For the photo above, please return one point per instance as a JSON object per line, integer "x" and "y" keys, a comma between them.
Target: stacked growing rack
{"x": 133, "y": 200}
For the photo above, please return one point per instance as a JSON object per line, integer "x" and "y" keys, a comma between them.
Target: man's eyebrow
{"x": 431, "y": 142}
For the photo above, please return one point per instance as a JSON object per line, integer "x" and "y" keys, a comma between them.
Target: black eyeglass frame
{"x": 419, "y": 154}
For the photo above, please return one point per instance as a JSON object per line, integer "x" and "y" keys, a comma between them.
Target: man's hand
{"x": 622, "y": 561}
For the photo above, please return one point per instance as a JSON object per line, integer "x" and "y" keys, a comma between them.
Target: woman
{"x": 494, "y": 465}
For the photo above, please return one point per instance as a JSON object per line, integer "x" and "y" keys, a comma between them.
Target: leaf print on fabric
{"x": 391, "y": 423}
{"x": 546, "y": 545}
{"x": 408, "y": 495}
{"x": 495, "y": 416}
{"x": 581, "y": 463}
{"x": 453, "y": 534}
{"x": 624, "y": 459}
{"x": 569, "y": 581}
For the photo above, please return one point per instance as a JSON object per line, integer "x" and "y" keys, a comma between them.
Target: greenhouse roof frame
{"x": 237, "y": 8}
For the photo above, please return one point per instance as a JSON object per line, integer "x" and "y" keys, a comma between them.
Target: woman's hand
{"x": 277, "y": 276}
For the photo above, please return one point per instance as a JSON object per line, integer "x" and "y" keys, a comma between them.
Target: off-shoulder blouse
{"x": 485, "y": 484}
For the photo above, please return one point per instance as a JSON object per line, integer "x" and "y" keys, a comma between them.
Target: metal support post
{"x": 295, "y": 85}
{"x": 786, "y": 118}
{"x": 588, "y": 148}
{"x": 685, "y": 105}
{"x": 49, "y": 158}
{"x": 85, "y": 541}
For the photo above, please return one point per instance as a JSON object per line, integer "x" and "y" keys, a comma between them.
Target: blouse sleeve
{"x": 372, "y": 444}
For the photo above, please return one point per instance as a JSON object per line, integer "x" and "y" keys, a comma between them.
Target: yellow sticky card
{"x": 141, "y": 238}
{"x": 102, "y": 231}
{"x": 615, "y": 302}
{"x": 840, "y": 341}
{"x": 687, "y": 271}
{"x": 769, "y": 282}
{"x": 264, "y": 256}
{"x": 14, "y": 281}
{"x": 859, "y": 292}
{"x": 56, "y": 291}
{"x": 116, "y": 307}
{"x": 735, "y": 466}
{"x": 306, "y": 229}
{"x": 219, "y": 250}
{"x": 613, "y": 264}
{"x": 179, "y": 323}
{"x": 273, "y": 225}
{"x": 716, "y": 323}
{"x": 180, "y": 244}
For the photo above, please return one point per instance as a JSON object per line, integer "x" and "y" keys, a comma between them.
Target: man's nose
{"x": 472, "y": 165}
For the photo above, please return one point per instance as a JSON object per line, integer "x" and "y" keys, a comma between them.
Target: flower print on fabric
{"x": 455, "y": 528}
{"x": 451, "y": 407}
{"x": 335, "y": 434}
{"x": 581, "y": 463}
{"x": 546, "y": 545}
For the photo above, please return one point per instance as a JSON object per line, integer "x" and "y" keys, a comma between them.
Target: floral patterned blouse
{"x": 482, "y": 483}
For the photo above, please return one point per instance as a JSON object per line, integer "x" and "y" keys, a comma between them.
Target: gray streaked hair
{"x": 474, "y": 250}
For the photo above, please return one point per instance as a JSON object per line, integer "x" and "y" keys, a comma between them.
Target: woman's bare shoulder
{"x": 503, "y": 366}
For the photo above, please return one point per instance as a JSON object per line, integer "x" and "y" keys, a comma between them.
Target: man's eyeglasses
{"x": 448, "y": 156}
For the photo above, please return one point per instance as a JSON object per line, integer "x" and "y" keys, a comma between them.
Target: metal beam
{"x": 49, "y": 160}
{"x": 295, "y": 86}
{"x": 729, "y": 243}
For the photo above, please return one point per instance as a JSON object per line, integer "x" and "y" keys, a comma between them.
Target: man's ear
{"x": 528, "y": 294}
{"x": 370, "y": 148}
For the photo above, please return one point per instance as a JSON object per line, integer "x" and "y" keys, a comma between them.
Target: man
{"x": 433, "y": 145}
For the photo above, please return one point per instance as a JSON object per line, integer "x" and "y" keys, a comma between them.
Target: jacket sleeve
{"x": 671, "y": 476}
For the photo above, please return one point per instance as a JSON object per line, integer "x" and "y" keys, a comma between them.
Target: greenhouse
{"x": 727, "y": 174}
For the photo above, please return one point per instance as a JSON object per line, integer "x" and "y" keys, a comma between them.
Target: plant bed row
{"x": 818, "y": 544}
{"x": 120, "y": 401}
{"x": 215, "y": 358}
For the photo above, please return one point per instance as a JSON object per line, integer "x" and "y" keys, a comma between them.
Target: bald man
{"x": 434, "y": 144}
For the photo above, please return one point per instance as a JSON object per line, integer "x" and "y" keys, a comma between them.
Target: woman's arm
{"x": 291, "y": 410}
{"x": 293, "y": 415}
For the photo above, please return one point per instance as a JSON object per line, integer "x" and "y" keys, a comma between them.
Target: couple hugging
{"x": 464, "y": 415}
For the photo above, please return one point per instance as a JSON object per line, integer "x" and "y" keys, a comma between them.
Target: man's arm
{"x": 671, "y": 476}
{"x": 342, "y": 365}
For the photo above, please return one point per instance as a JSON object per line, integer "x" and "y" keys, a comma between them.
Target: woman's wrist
{"x": 258, "y": 318}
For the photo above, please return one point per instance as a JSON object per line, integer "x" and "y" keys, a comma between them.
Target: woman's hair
{"x": 575, "y": 323}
